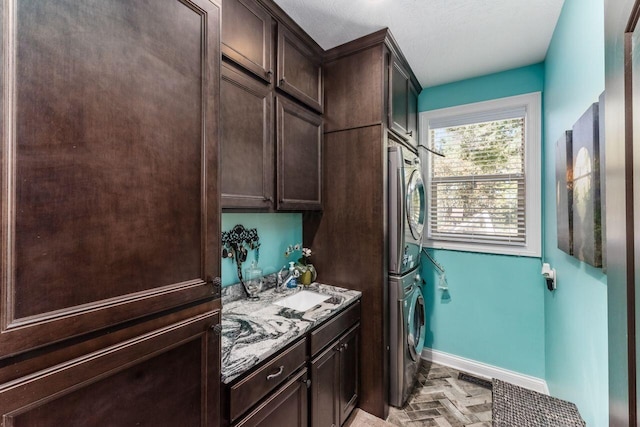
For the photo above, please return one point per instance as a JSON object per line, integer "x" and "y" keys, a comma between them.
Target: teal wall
{"x": 576, "y": 313}
{"x": 276, "y": 232}
{"x": 499, "y": 85}
{"x": 496, "y": 311}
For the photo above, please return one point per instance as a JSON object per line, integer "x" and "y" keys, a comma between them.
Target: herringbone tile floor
{"x": 442, "y": 400}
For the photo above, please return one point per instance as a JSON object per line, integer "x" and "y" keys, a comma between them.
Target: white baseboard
{"x": 484, "y": 370}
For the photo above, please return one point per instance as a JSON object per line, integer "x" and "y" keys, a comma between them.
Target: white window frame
{"x": 533, "y": 175}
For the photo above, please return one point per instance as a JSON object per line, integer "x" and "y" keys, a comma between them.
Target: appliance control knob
{"x": 417, "y": 279}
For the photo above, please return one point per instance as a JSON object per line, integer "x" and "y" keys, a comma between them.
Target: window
{"x": 484, "y": 195}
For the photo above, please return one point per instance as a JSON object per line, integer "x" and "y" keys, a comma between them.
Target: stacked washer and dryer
{"x": 407, "y": 317}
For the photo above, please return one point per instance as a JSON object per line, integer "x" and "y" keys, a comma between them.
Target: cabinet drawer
{"x": 251, "y": 389}
{"x": 327, "y": 333}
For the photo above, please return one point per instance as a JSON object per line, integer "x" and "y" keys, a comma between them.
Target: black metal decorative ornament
{"x": 236, "y": 245}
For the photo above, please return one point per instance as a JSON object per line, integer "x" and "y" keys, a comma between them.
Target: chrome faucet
{"x": 283, "y": 281}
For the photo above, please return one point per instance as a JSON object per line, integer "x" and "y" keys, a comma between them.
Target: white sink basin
{"x": 302, "y": 301}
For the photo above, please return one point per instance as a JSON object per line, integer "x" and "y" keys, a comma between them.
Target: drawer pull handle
{"x": 276, "y": 374}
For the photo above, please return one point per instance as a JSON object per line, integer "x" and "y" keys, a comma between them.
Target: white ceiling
{"x": 443, "y": 40}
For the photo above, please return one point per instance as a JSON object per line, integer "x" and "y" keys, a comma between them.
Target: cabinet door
{"x": 110, "y": 194}
{"x": 325, "y": 388}
{"x": 349, "y": 354}
{"x": 398, "y": 99}
{"x": 169, "y": 377}
{"x": 247, "y": 30}
{"x": 299, "y": 147}
{"x": 299, "y": 69}
{"x": 246, "y": 142}
{"x": 286, "y": 407}
{"x": 412, "y": 117}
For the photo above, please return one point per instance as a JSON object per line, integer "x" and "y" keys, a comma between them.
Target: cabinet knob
{"x": 282, "y": 81}
{"x": 217, "y": 329}
{"x": 306, "y": 382}
{"x": 268, "y": 199}
{"x": 269, "y": 73}
{"x": 410, "y": 133}
{"x": 216, "y": 285}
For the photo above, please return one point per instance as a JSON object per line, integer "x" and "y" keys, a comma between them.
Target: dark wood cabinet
{"x": 168, "y": 376}
{"x": 398, "y": 98}
{"x": 327, "y": 356}
{"x": 403, "y": 103}
{"x": 262, "y": 381}
{"x": 369, "y": 89}
{"x": 247, "y": 150}
{"x": 334, "y": 381}
{"x": 413, "y": 135}
{"x": 299, "y": 69}
{"x": 247, "y": 36}
{"x": 110, "y": 206}
{"x": 110, "y": 213}
{"x": 287, "y": 407}
{"x": 325, "y": 388}
{"x": 256, "y": 175}
{"x": 349, "y": 350}
{"x": 299, "y": 156}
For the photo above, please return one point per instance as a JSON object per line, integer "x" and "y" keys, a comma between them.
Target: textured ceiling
{"x": 443, "y": 40}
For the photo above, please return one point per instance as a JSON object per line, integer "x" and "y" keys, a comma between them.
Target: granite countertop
{"x": 254, "y": 330}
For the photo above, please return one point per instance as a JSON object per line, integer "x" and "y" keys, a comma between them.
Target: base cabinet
{"x": 325, "y": 387}
{"x": 313, "y": 381}
{"x": 167, "y": 377}
{"x": 287, "y": 407}
{"x": 334, "y": 381}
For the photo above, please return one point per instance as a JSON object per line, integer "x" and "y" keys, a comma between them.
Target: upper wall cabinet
{"x": 403, "y": 103}
{"x": 299, "y": 69}
{"x": 247, "y": 141}
{"x": 110, "y": 199}
{"x": 299, "y": 142}
{"x": 247, "y": 34}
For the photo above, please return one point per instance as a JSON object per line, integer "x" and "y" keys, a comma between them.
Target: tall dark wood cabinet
{"x": 110, "y": 210}
{"x": 256, "y": 173}
{"x": 364, "y": 80}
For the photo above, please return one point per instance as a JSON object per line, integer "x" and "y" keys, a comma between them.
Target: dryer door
{"x": 416, "y": 322}
{"x": 415, "y": 204}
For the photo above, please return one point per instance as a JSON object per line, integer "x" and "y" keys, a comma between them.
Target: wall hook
{"x": 236, "y": 245}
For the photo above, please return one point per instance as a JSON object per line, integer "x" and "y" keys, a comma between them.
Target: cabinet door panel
{"x": 398, "y": 102}
{"x": 285, "y": 408}
{"x": 299, "y": 145}
{"x": 349, "y": 377}
{"x": 170, "y": 376}
{"x": 325, "y": 388}
{"x": 109, "y": 163}
{"x": 247, "y": 141}
{"x": 299, "y": 70}
{"x": 412, "y": 117}
{"x": 246, "y": 36}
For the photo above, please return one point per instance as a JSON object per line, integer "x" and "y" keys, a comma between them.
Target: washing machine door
{"x": 415, "y": 202}
{"x": 416, "y": 320}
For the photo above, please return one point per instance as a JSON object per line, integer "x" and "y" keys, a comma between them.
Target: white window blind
{"x": 485, "y": 194}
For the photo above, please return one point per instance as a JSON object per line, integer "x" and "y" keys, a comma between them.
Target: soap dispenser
{"x": 293, "y": 275}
